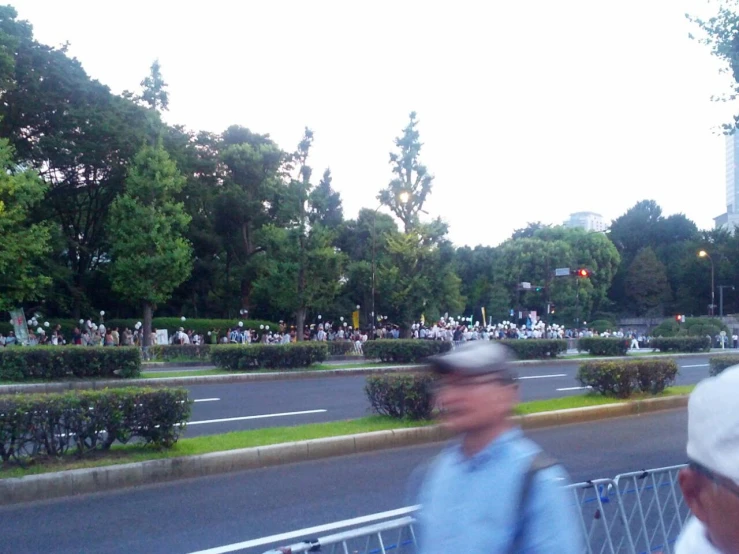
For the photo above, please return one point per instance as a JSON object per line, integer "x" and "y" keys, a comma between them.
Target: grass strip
{"x": 184, "y": 373}
{"x": 123, "y": 454}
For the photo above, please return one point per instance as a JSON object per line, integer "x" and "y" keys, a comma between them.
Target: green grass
{"x": 193, "y": 373}
{"x": 121, "y": 454}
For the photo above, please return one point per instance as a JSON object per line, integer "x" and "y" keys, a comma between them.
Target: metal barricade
{"x": 634, "y": 513}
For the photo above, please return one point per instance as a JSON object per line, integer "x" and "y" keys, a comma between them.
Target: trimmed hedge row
{"x": 59, "y": 362}
{"x": 172, "y": 351}
{"x": 681, "y": 344}
{"x": 624, "y": 377}
{"x": 719, "y": 363}
{"x": 340, "y": 347}
{"x": 237, "y": 357}
{"x": 404, "y": 350}
{"x": 401, "y": 395}
{"x": 536, "y": 349}
{"x": 597, "y": 346}
{"x": 43, "y": 425}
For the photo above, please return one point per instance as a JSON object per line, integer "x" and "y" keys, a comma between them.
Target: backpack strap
{"x": 540, "y": 462}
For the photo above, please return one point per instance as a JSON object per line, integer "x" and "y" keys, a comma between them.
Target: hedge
{"x": 60, "y": 362}
{"x": 624, "y": 377}
{"x": 173, "y": 351}
{"x": 536, "y": 349}
{"x": 603, "y": 346}
{"x": 401, "y": 395}
{"x": 269, "y": 356}
{"x": 340, "y": 347}
{"x": 719, "y": 363}
{"x": 404, "y": 350}
{"x": 681, "y": 344}
{"x": 43, "y": 425}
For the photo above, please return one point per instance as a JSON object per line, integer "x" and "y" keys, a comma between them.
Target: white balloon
{"x": 241, "y": 323}
{"x": 46, "y": 323}
{"x": 183, "y": 318}
{"x": 261, "y": 327}
{"x": 82, "y": 321}
{"x": 102, "y": 312}
{"x": 267, "y": 327}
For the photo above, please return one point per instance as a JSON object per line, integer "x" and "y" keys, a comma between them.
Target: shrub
{"x": 401, "y": 395}
{"x": 602, "y": 325}
{"x": 722, "y": 362}
{"x": 693, "y": 327}
{"x": 404, "y": 350}
{"x": 174, "y": 351}
{"x": 536, "y": 349}
{"x": 55, "y": 424}
{"x": 681, "y": 344}
{"x": 60, "y": 362}
{"x": 340, "y": 347}
{"x": 603, "y": 346}
{"x": 270, "y": 356}
{"x": 623, "y": 377}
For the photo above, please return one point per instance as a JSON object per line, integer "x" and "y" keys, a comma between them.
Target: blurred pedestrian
{"x": 492, "y": 491}
{"x": 710, "y": 483}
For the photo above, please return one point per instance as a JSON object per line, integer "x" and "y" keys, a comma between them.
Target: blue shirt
{"x": 469, "y": 505}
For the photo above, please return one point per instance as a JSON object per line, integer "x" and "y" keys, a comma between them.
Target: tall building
{"x": 730, "y": 219}
{"x": 589, "y": 221}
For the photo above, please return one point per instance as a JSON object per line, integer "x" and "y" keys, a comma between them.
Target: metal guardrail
{"x": 634, "y": 513}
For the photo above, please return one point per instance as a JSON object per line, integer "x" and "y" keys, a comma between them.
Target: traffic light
{"x": 582, "y": 272}
{"x": 680, "y": 318}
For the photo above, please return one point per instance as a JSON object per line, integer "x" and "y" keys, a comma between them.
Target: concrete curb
{"x": 81, "y": 481}
{"x": 275, "y": 376}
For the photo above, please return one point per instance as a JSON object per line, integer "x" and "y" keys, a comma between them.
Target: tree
{"x": 150, "y": 254}
{"x": 25, "y": 244}
{"x": 325, "y": 204}
{"x": 646, "y": 284}
{"x": 407, "y": 191}
{"x": 154, "y": 92}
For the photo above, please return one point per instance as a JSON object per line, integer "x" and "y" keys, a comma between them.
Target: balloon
{"x": 241, "y": 323}
{"x": 102, "y": 312}
{"x": 46, "y": 323}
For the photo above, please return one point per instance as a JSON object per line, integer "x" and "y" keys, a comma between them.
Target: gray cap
{"x": 478, "y": 357}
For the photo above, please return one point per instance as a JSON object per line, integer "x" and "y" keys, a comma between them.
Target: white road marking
{"x": 263, "y": 416}
{"x": 207, "y": 400}
{"x": 543, "y": 376}
{"x": 699, "y": 365}
{"x": 574, "y": 388}
{"x": 301, "y": 533}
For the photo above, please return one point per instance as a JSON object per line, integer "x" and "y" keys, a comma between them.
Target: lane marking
{"x": 263, "y": 416}
{"x": 207, "y": 400}
{"x": 699, "y": 365}
{"x": 302, "y": 533}
{"x": 542, "y": 376}
{"x": 574, "y": 388}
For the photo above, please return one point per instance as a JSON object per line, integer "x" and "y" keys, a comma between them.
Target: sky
{"x": 528, "y": 111}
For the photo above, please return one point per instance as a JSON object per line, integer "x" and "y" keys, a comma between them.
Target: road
{"x": 197, "y": 514}
{"x": 238, "y": 406}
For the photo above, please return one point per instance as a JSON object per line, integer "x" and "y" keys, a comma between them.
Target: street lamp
{"x": 704, "y": 254}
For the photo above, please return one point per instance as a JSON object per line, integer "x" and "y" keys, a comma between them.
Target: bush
{"x": 603, "y": 346}
{"x": 602, "y": 325}
{"x": 404, "y": 350}
{"x": 340, "y": 347}
{"x": 681, "y": 344}
{"x": 270, "y": 356}
{"x": 60, "y": 362}
{"x": 175, "y": 351}
{"x": 693, "y": 327}
{"x": 54, "y": 424}
{"x": 536, "y": 349}
{"x": 720, "y": 363}
{"x": 624, "y": 377}
{"x": 401, "y": 395}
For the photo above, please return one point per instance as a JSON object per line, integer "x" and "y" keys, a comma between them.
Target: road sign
{"x": 562, "y": 272}
{"x": 525, "y": 285}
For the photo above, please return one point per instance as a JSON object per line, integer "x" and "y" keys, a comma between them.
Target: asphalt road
{"x": 197, "y": 514}
{"x": 238, "y": 406}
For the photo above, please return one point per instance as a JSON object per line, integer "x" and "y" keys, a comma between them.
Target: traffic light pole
{"x": 721, "y": 298}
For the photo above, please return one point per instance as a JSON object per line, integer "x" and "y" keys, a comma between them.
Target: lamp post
{"x": 704, "y": 254}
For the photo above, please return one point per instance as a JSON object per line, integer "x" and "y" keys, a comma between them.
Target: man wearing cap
{"x": 710, "y": 483}
{"x": 493, "y": 491}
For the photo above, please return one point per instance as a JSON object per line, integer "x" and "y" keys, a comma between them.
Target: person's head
{"x": 476, "y": 388}
{"x": 710, "y": 484}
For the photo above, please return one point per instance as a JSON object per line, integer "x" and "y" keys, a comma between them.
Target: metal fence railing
{"x": 634, "y": 513}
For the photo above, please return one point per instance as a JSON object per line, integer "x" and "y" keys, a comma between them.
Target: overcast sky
{"x": 528, "y": 110}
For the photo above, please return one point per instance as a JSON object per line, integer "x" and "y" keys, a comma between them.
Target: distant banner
{"x": 355, "y": 319}
{"x": 20, "y": 326}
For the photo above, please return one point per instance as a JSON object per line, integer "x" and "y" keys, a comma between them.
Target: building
{"x": 589, "y": 221}
{"x": 730, "y": 219}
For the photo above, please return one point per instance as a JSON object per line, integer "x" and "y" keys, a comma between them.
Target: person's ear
{"x": 692, "y": 483}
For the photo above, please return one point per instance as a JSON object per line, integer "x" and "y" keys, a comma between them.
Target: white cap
{"x": 713, "y": 424}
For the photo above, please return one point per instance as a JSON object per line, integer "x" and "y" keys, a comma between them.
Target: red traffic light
{"x": 583, "y": 273}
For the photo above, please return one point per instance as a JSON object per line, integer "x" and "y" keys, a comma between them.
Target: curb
{"x": 153, "y": 366}
{"x": 278, "y": 375}
{"x": 81, "y": 481}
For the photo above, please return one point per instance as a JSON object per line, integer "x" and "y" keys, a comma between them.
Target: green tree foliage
{"x": 406, "y": 193}
{"x": 646, "y": 284}
{"x": 151, "y": 257}
{"x": 24, "y": 244}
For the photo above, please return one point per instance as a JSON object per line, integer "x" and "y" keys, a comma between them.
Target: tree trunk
{"x": 300, "y": 317}
{"x": 147, "y": 325}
